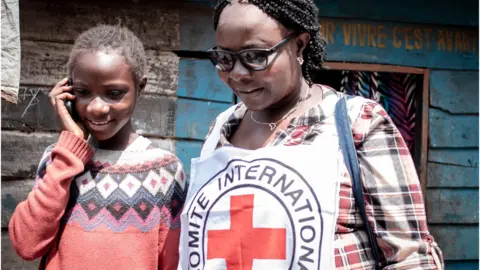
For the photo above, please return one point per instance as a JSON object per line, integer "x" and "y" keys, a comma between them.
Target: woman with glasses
{"x": 276, "y": 186}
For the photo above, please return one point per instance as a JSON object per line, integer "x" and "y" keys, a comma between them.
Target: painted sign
{"x": 400, "y": 44}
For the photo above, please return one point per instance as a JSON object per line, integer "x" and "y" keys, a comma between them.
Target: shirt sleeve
{"x": 35, "y": 221}
{"x": 392, "y": 192}
{"x": 169, "y": 235}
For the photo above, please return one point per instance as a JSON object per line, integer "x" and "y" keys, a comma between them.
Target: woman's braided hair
{"x": 299, "y": 16}
{"x": 115, "y": 39}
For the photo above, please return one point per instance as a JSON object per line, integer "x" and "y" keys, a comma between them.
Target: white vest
{"x": 271, "y": 208}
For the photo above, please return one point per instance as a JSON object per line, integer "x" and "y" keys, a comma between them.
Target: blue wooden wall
{"x": 441, "y": 12}
{"x": 201, "y": 97}
{"x": 425, "y": 34}
{"x": 452, "y": 190}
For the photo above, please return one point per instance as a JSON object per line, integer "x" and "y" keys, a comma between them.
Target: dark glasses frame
{"x": 236, "y": 55}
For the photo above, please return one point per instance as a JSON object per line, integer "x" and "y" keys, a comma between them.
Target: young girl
{"x": 112, "y": 202}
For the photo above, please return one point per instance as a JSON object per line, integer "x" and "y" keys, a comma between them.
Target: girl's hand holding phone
{"x": 61, "y": 93}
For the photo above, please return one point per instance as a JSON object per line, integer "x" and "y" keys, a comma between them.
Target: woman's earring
{"x": 300, "y": 60}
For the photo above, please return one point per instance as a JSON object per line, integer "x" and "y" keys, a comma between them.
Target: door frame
{"x": 421, "y": 145}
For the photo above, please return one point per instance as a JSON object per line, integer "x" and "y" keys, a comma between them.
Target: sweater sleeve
{"x": 35, "y": 221}
{"x": 169, "y": 234}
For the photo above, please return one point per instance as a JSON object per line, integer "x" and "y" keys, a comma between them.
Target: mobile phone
{"x": 70, "y": 104}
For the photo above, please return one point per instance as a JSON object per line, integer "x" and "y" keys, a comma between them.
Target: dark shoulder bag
{"x": 350, "y": 157}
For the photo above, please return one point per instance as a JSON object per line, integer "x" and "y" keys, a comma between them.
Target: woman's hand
{"x": 58, "y": 96}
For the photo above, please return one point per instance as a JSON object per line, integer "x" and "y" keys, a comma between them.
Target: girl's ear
{"x": 141, "y": 86}
{"x": 302, "y": 42}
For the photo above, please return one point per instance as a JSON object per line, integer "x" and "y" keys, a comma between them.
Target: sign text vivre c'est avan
{"x": 398, "y": 36}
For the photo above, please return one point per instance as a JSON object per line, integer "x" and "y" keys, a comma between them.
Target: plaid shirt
{"x": 392, "y": 192}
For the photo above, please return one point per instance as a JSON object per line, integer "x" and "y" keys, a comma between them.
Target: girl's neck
{"x": 119, "y": 141}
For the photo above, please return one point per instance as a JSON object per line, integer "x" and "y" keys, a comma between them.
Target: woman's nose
{"x": 239, "y": 72}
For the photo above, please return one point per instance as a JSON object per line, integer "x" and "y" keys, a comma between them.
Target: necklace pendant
{"x": 272, "y": 126}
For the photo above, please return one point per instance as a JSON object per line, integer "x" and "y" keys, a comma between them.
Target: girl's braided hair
{"x": 111, "y": 38}
{"x": 297, "y": 15}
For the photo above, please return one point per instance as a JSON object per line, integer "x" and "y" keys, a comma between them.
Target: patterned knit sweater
{"x": 102, "y": 209}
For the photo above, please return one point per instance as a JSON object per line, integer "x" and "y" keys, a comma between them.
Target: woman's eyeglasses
{"x": 252, "y": 59}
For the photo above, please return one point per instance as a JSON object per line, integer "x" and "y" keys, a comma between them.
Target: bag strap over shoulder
{"x": 350, "y": 157}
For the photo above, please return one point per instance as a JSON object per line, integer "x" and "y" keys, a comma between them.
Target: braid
{"x": 109, "y": 38}
{"x": 298, "y": 15}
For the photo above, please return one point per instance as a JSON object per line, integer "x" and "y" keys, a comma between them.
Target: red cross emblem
{"x": 242, "y": 243}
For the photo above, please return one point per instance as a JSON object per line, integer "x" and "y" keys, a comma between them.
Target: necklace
{"x": 273, "y": 125}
